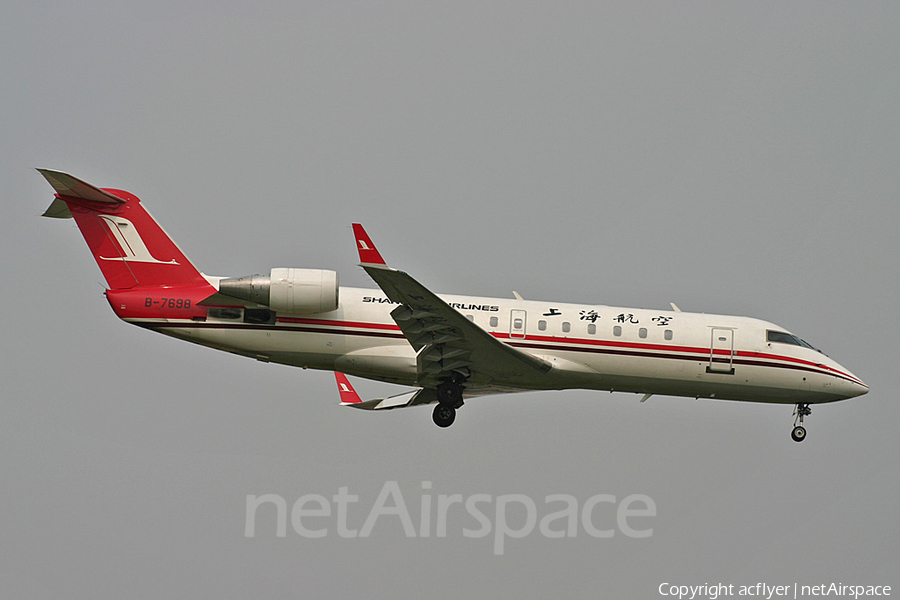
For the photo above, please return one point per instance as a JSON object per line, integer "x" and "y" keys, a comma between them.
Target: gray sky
{"x": 738, "y": 158}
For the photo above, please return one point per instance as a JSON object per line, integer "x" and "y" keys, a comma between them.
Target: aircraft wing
{"x": 350, "y": 398}
{"x": 446, "y": 342}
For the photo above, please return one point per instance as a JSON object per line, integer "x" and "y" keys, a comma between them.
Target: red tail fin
{"x": 131, "y": 249}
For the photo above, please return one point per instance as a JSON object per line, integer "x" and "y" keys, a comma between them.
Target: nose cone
{"x": 857, "y": 389}
{"x": 851, "y": 386}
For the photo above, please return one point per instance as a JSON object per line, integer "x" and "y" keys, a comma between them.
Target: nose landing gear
{"x": 799, "y": 432}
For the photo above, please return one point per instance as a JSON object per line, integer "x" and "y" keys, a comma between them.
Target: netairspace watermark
{"x": 317, "y": 516}
{"x": 797, "y": 591}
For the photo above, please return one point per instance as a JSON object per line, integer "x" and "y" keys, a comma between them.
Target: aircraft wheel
{"x": 450, "y": 394}
{"x": 443, "y": 415}
{"x": 798, "y": 434}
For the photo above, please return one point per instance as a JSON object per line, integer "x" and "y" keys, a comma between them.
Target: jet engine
{"x": 295, "y": 291}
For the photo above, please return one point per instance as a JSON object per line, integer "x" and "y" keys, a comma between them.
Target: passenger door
{"x": 721, "y": 353}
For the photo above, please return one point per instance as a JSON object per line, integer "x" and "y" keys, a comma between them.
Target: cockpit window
{"x": 782, "y": 337}
{"x": 806, "y": 344}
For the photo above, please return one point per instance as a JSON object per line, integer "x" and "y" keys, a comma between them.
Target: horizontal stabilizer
{"x": 58, "y": 209}
{"x": 72, "y": 187}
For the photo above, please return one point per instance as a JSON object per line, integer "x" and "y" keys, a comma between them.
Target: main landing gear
{"x": 449, "y": 395}
{"x": 799, "y": 432}
{"x": 443, "y": 415}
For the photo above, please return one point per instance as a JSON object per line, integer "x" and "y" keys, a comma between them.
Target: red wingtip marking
{"x": 367, "y": 251}
{"x": 348, "y": 394}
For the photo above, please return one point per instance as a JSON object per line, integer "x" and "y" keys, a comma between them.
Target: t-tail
{"x": 128, "y": 245}
{"x": 137, "y": 258}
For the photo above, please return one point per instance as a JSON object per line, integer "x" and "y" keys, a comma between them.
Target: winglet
{"x": 348, "y": 394}
{"x": 368, "y": 254}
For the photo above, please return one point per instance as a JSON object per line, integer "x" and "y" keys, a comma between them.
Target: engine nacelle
{"x": 297, "y": 291}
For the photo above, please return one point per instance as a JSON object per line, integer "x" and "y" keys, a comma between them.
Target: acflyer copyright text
{"x": 797, "y": 591}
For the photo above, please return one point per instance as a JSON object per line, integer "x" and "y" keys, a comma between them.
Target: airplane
{"x": 446, "y": 347}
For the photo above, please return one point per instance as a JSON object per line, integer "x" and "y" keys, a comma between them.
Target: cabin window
{"x": 494, "y": 321}
{"x": 542, "y": 325}
{"x": 517, "y": 324}
{"x": 668, "y": 334}
{"x": 566, "y": 327}
{"x": 471, "y": 318}
{"x": 592, "y": 329}
{"x": 642, "y": 332}
{"x": 617, "y": 330}
{"x": 224, "y": 313}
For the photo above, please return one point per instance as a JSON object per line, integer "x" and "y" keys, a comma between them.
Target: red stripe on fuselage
{"x": 336, "y": 327}
{"x": 757, "y": 358}
{"x": 357, "y": 324}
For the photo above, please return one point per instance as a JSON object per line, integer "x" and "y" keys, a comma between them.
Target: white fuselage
{"x": 589, "y": 346}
